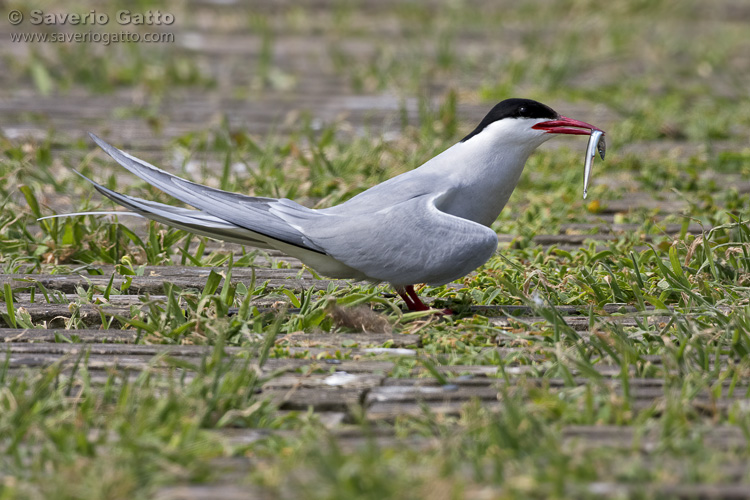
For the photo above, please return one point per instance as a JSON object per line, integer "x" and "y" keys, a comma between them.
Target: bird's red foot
{"x": 414, "y": 303}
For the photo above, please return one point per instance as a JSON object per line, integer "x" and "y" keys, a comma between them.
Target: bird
{"x": 429, "y": 225}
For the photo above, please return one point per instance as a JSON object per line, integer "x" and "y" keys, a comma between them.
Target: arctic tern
{"x": 429, "y": 225}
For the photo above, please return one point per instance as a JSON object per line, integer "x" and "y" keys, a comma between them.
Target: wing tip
{"x": 102, "y": 143}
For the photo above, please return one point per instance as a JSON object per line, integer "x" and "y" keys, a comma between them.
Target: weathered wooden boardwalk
{"x": 347, "y": 376}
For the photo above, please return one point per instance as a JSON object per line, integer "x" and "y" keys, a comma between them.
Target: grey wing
{"x": 410, "y": 242}
{"x": 194, "y": 221}
{"x": 399, "y": 189}
{"x": 278, "y": 219}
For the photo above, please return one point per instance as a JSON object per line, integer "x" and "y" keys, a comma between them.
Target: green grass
{"x": 127, "y": 436}
{"x": 672, "y": 78}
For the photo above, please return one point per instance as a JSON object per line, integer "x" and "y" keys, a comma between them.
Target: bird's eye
{"x": 521, "y": 110}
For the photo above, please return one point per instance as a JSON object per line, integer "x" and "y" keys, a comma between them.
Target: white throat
{"x": 485, "y": 169}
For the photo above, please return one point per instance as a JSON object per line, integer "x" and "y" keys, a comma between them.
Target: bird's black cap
{"x": 514, "y": 108}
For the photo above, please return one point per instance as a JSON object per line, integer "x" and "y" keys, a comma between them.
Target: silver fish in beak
{"x": 596, "y": 143}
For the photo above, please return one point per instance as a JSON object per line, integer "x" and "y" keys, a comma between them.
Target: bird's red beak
{"x": 565, "y": 125}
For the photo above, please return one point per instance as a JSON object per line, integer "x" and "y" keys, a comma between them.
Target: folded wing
{"x": 268, "y": 218}
{"x": 406, "y": 243}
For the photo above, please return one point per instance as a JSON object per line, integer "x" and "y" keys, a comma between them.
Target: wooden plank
{"x": 55, "y": 315}
{"x": 671, "y": 229}
{"x": 143, "y": 361}
{"x": 29, "y": 302}
{"x": 318, "y": 340}
{"x": 723, "y": 437}
{"x": 108, "y": 363}
{"x": 336, "y": 352}
{"x": 153, "y": 284}
{"x": 103, "y": 356}
{"x": 577, "y": 437}
{"x": 405, "y": 394}
{"x": 17, "y": 335}
{"x": 19, "y": 349}
{"x": 578, "y": 323}
{"x": 677, "y": 492}
{"x": 569, "y": 239}
{"x": 397, "y": 397}
{"x": 244, "y": 273}
{"x": 671, "y": 204}
{"x": 352, "y": 340}
{"x": 575, "y": 239}
{"x": 107, "y": 349}
{"x": 388, "y": 412}
{"x": 340, "y": 379}
{"x": 566, "y": 310}
{"x": 473, "y": 370}
{"x": 337, "y": 399}
{"x": 214, "y": 491}
{"x": 536, "y": 382}
{"x": 627, "y": 317}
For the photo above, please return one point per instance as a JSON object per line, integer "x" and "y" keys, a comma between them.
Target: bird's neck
{"x": 482, "y": 177}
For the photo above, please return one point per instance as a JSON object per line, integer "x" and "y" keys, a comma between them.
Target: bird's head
{"x": 525, "y": 122}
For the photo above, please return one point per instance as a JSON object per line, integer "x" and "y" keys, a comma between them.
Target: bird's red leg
{"x": 407, "y": 300}
{"x": 416, "y": 304}
{"x": 413, "y": 302}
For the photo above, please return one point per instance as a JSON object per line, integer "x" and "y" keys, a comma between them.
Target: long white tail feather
{"x": 113, "y": 212}
{"x": 194, "y": 221}
{"x": 252, "y": 213}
